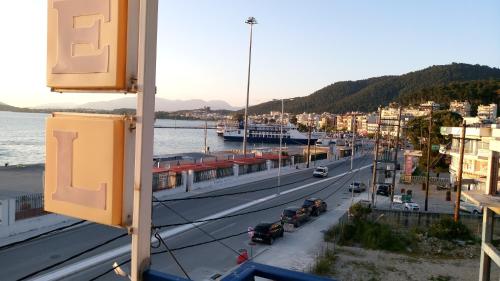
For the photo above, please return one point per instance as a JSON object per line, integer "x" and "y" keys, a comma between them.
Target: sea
{"x": 22, "y": 138}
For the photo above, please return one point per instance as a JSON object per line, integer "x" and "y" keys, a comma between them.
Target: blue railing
{"x": 246, "y": 272}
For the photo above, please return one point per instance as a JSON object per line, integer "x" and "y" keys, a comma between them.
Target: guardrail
{"x": 29, "y": 205}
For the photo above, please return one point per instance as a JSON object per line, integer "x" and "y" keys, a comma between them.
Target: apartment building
{"x": 487, "y": 112}
{"x": 460, "y": 107}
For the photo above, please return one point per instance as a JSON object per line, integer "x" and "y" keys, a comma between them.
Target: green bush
{"x": 359, "y": 211}
{"x": 448, "y": 229}
{"x": 324, "y": 264}
{"x": 373, "y": 235}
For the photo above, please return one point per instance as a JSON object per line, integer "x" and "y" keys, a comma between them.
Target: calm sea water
{"x": 22, "y": 138}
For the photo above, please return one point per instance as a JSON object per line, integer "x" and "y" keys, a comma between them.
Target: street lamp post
{"x": 281, "y": 142}
{"x": 251, "y": 21}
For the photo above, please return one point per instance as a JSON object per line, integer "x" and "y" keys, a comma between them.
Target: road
{"x": 200, "y": 262}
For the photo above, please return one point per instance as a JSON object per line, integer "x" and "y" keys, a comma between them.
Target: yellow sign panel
{"x": 84, "y": 166}
{"x": 87, "y": 45}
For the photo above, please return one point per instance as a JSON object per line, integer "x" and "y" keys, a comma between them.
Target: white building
{"x": 460, "y": 107}
{"x": 487, "y": 112}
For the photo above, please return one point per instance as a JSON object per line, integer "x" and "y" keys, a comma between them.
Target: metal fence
{"x": 420, "y": 219}
{"x": 422, "y": 179}
{"x": 29, "y": 205}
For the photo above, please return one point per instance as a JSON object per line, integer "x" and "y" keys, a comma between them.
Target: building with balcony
{"x": 487, "y": 112}
{"x": 460, "y": 107}
{"x": 476, "y": 155}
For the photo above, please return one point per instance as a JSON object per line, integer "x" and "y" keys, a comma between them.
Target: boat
{"x": 222, "y": 125}
{"x": 270, "y": 133}
{"x": 325, "y": 141}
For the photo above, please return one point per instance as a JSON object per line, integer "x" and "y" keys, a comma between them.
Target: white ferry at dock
{"x": 270, "y": 133}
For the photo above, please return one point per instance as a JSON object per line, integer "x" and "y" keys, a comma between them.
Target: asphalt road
{"x": 200, "y": 262}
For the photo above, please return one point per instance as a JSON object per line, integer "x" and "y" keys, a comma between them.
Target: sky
{"x": 298, "y": 46}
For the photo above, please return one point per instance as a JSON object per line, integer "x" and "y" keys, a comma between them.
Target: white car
{"x": 470, "y": 207}
{"x": 398, "y": 203}
{"x": 321, "y": 171}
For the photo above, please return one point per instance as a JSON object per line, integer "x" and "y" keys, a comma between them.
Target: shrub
{"x": 448, "y": 229}
{"x": 324, "y": 264}
{"x": 359, "y": 211}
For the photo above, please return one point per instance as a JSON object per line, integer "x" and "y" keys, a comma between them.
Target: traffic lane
{"x": 191, "y": 208}
{"x": 214, "y": 257}
{"x": 61, "y": 245}
{"x": 19, "y": 261}
{"x": 198, "y": 237}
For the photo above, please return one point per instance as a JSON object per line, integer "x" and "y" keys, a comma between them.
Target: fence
{"x": 417, "y": 219}
{"x": 28, "y": 206}
{"x": 422, "y": 179}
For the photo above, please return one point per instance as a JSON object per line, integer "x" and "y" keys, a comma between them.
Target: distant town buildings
{"x": 460, "y": 107}
{"x": 487, "y": 112}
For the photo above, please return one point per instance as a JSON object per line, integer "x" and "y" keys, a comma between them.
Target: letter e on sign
{"x": 87, "y": 44}
{"x": 84, "y": 166}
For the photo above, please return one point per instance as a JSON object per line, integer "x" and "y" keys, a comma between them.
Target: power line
{"x": 73, "y": 257}
{"x": 158, "y": 236}
{"x": 196, "y": 226}
{"x": 254, "y": 211}
{"x": 40, "y": 235}
{"x": 213, "y": 240}
{"x": 228, "y": 194}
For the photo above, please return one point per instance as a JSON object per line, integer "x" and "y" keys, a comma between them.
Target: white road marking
{"x": 108, "y": 255}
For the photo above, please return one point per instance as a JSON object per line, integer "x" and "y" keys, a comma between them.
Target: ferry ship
{"x": 261, "y": 133}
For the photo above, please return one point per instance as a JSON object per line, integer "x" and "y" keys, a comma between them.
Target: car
{"x": 357, "y": 187}
{"x": 384, "y": 189}
{"x": 267, "y": 232}
{"x": 294, "y": 215}
{"x": 407, "y": 205}
{"x": 314, "y": 206}
{"x": 321, "y": 172}
{"x": 470, "y": 207}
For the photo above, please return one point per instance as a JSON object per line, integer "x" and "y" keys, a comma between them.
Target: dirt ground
{"x": 358, "y": 264}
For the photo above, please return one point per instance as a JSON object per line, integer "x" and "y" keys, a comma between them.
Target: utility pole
{"x": 281, "y": 142}
{"x": 375, "y": 158}
{"x": 206, "y": 116}
{"x": 456, "y": 217}
{"x": 396, "y": 156}
{"x": 251, "y": 21}
{"x": 353, "y": 127}
{"x": 429, "y": 144}
{"x": 309, "y": 144}
{"x": 146, "y": 81}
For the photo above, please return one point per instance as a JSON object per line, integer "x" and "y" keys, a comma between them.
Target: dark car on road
{"x": 267, "y": 232}
{"x": 384, "y": 189}
{"x": 357, "y": 187}
{"x": 294, "y": 215}
{"x": 314, "y": 206}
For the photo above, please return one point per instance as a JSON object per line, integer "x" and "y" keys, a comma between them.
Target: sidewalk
{"x": 299, "y": 249}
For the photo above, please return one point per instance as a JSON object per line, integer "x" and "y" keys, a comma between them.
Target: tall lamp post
{"x": 251, "y": 21}
{"x": 281, "y": 142}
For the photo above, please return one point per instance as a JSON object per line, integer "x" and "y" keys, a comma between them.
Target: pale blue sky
{"x": 299, "y": 46}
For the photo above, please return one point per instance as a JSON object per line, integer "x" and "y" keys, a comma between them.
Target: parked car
{"x": 470, "y": 207}
{"x": 294, "y": 215}
{"x": 357, "y": 187}
{"x": 314, "y": 206}
{"x": 321, "y": 172}
{"x": 384, "y": 189}
{"x": 407, "y": 205}
{"x": 267, "y": 232}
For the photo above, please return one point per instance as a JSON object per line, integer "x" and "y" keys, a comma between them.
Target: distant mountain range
{"x": 366, "y": 95}
{"x": 161, "y": 104}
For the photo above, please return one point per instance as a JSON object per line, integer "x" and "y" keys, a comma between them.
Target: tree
{"x": 239, "y": 117}
{"x": 417, "y": 133}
